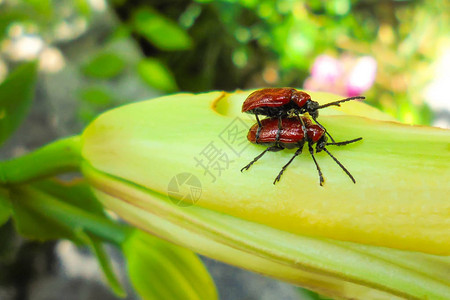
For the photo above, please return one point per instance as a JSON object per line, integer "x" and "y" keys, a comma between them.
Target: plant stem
{"x": 72, "y": 216}
{"x": 58, "y": 157}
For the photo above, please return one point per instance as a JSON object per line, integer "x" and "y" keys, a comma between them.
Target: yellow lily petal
{"x": 402, "y": 172}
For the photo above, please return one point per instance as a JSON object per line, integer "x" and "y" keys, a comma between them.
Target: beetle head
{"x": 312, "y": 108}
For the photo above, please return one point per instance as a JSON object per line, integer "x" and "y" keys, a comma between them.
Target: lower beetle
{"x": 292, "y": 135}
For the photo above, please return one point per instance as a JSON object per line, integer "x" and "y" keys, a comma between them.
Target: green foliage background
{"x": 202, "y": 45}
{"x": 212, "y": 45}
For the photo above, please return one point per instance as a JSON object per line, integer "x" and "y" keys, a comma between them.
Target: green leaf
{"x": 104, "y": 65}
{"x": 5, "y": 207}
{"x": 16, "y": 93}
{"x": 96, "y": 96}
{"x": 35, "y": 224}
{"x": 9, "y": 16}
{"x": 75, "y": 215}
{"x": 310, "y": 295}
{"x": 97, "y": 248}
{"x": 76, "y": 193}
{"x": 122, "y": 31}
{"x": 42, "y": 7}
{"x": 160, "y": 270}
{"x": 86, "y": 114}
{"x": 83, "y": 7}
{"x": 156, "y": 75}
{"x": 40, "y": 215}
{"x": 162, "y": 32}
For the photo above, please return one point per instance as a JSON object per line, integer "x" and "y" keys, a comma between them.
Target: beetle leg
{"x": 303, "y": 125}
{"x": 299, "y": 151}
{"x": 257, "y": 120}
{"x": 272, "y": 149}
{"x": 258, "y": 131}
{"x": 311, "y": 150}
{"x": 326, "y": 131}
{"x": 277, "y": 139}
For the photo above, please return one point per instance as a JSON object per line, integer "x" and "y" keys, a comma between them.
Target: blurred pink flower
{"x": 362, "y": 76}
{"x": 348, "y": 76}
{"x": 326, "y": 68}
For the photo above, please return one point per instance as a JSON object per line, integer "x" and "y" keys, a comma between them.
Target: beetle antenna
{"x": 340, "y": 165}
{"x": 337, "y": 103}
{"x": 345, "y": 142}
{"x": 326, "y": 131}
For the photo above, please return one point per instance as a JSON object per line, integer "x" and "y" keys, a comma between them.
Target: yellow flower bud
{"x": 343, "y": 239}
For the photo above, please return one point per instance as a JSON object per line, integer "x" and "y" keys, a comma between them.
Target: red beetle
{"x": 283, "y": 102}
{"x": 292, "y": 136}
